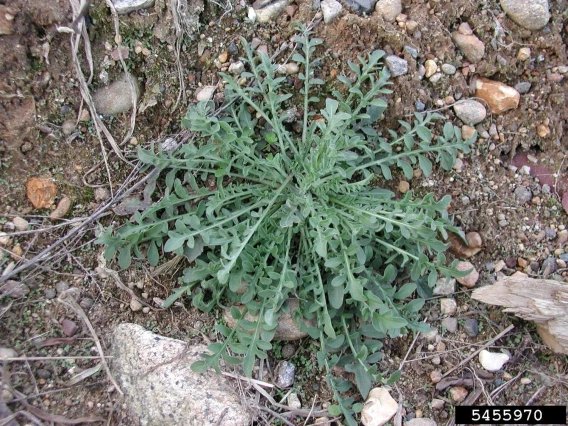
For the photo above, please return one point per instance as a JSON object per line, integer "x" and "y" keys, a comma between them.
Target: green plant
{"x": 266, "y": 214}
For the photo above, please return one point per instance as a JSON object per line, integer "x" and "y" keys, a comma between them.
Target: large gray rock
{"x": 127, "y": 6}
{"x": 529, "y": 14}
{"x": 116, "y": 97}
{"x": 161, "y": 389}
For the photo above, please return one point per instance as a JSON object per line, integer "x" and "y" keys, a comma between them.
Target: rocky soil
{"x": 498, "y": 68}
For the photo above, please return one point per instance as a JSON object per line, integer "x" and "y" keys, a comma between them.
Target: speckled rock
{"x": 285, "y": 373}
{"x": 397, "y": 66}
{"x": 161, "y": 393}
{"x": 529, "y": 14}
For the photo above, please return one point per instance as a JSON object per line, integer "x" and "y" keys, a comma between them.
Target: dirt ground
{"x": 44, "y": 132}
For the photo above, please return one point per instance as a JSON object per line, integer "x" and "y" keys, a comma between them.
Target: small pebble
{"x": 471, "y": 327}
{"x": 458, "y": 393}
{"x": 288, "y": 350}
{"x": 69, "y": 327}
{"x": 403, "y": 186}
{"x": 42, "y": 373}
{"x": 436, "y": 77}
{"x": 61, "y": 286}
{"x": 524, "y": 54}
{"x": 549, "y": 266}
{"x": 50, "y": 293}
{"x": 294, "y": 401}
{"x": 431, "y": 68}
{"x": 135, "y": 305}
{"x": 438, "y": 404}
{"x": 86, "y": 303}
{"x": 450, "y": 324}
{"x": 523, "y": 87}
{"x": 448, "y": 69}
{"x": 8, "y": 353}
{"x": 411, "y": 51}
{"x": 397, "y": 66}
{"x": 436, "y": 376}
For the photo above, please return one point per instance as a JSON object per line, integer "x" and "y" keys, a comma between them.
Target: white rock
{"x": 4, "y": 239}
{"x": 158, "y": 392}
{"x": 8, "y": 353}
{"x": 127, "y": 6}
{"x": 20, "y": 223}
{"x": 135, "y": 305}
{"x": 492, "y": 361}
{"x": 331, "y": 10}
{"x": 267, "y": 10}
{"x": 251, "y": 14}
{"x": 294, "y": 401}
{"x": 236, "y": 68}
{"x": 388, "y": 9}
{"x": 379, "y": 408}
{"x": 420, "y": 422}
{"x": 205, "y": 93}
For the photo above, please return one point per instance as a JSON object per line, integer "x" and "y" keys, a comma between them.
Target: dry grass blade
{"x": 68, "y": 301}
{"x": 84, "y": 375}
